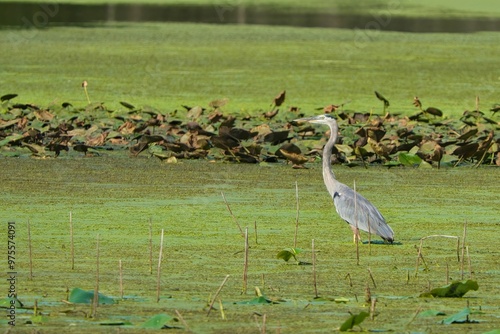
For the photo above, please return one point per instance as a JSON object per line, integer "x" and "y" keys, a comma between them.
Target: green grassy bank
{"x": 169, "y": 65}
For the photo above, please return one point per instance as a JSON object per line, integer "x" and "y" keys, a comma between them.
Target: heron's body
{"x": 350, "y": 205}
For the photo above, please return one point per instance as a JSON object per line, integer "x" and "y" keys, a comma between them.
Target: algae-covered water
{"x": 115, "y": 197}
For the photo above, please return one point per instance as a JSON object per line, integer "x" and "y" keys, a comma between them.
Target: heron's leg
{"x": 356, "y": 236}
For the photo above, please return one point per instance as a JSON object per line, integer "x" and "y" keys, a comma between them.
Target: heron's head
{"x": 320, "y": 119}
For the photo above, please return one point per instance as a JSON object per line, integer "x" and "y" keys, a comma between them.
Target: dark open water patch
{"x": 31, "y": 15}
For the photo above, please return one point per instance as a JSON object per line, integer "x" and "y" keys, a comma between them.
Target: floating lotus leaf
{"x": 381, "y": 98}
{"x": 287, "y": 253}
{"x": 127, "y": 105}
{"x": 459, "y": 318}
{"x": 258, "y": 301}
{"x": 7, "y": 97}
{"x": 455, "y": 289}
{"x": 354, "y": 320}
{"x": 80, "y": 296}
{"x": 434, "y": 111}
{"x": 279, "y": 99}
{"x": 366, "y": 138}
{"x": 431, "y": 313}
{"x": 158, "y": 321}
{"x": 11, "y": 139}
{"x": 8, "y": 124}
{"x": 7, "y": 302}
{"x": 408, "y": 159}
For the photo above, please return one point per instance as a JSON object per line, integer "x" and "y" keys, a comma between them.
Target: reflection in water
{"x": 30, "y": 15}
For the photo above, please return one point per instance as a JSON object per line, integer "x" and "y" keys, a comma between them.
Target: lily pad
{"x": 455, "y": 289}
{"x": 257, "y": 301}
{"x": 354, "y": 320}
{"x": 158, "y": 321}
{"x": 287, "y": 253}
{"x": 7, "y": 302}
{"x": 80, "y": 296}
{"x": 431, "y": 313}
{"x": 10, "y": 139}
{"x": 410, "y": 160}
{"x": 459, "y": 318}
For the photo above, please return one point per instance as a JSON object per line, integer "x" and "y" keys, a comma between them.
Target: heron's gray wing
{"x": 361, "y": 214}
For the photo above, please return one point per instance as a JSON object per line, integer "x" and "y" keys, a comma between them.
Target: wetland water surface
{"x": 30, "y": 15}
{"x": 116, "y": 196}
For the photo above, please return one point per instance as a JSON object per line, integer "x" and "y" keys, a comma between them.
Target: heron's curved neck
{"x": 327, "y": 153}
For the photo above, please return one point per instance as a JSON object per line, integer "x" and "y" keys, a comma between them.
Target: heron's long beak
{"x": 311, "y": 119}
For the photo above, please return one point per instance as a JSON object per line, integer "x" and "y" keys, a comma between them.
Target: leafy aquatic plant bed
{"x": 119, "y": 198}
{"x": 213, "y": 133}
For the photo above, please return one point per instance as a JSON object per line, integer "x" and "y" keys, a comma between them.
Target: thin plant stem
{"x": 255, "y": 229}
{"x": 414, "y": 315}
{"x": 463, "y": 250}
{"x": 150, "y": 246}
{"x": 72, "y": 244}
{"x": 232, "y": 215}
{"x": 158, "y": 277}
{"x": 469, "y": 261}
{"x": 372, "y": 308}
{"x": 369, "y": 235}
{"x": 221, "y": 307}
{"x": 216, "y": 294}
{"x": 350, "y": 280}
{"x": 420, "y": 256}
{"x": 371, "y": 277}
{"x": 30, "y": 252}
{"x": 314, "y": 269}
{"x": 120, "y": 268}
{"x": 181, "y": 319}
{"x": 245, "y": 263}
{"x": 84, "y": 85}
{"x": 297, "y": 215}
{"x": 95, "y": 300}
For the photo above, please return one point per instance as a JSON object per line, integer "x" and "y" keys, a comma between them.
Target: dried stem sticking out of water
{"x": 184, "y": 323}
{"x": 150, "y": 246}
{"x": 368, "y": 294}
{"x": 372, "y": 308}
{"x": 314, "y": 269}
{"x": 350, "y": 280}
{"x": 414, "y": 315}
{"x": 216, "y": 294}
{"x": 72, "y": 244}
{"x": 371, "y": 277}
{"x": 463, "y": 250}
{"x": 120, "y": 269}
{"x": 255, "y": 228}
{"x": 221, "y": 307}
{"x": 262, "y": 328}
{"x": 297, "y": 215}
{"x": 29, "y": 251}
{"x": 95, "y": 300}
{"x": 369, "y": 235}
{"x": 84, "y": 85}
{"x": 245, "y": 263}
{"x": 158, "y": 277}
{"x": 420, "y": 256}
{"x": 469, "y": 261}
{"x": 232, "y": 215}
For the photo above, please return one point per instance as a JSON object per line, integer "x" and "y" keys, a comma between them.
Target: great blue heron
{"x": 350, "y": 205}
